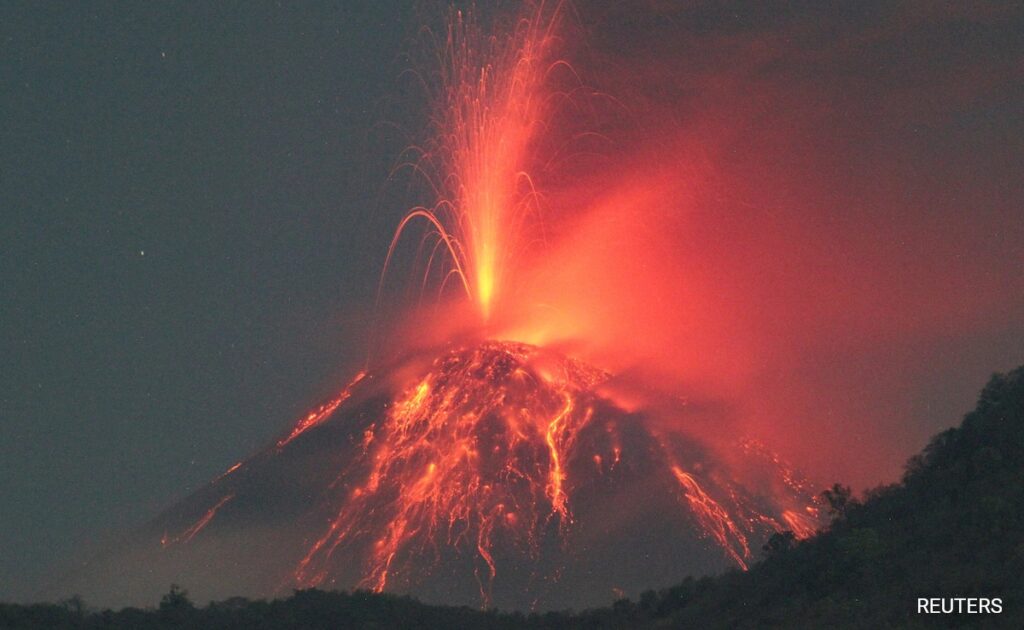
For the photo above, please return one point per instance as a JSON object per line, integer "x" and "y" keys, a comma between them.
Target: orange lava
{"x": 802, "y": 525}
{"x": 227, "y": 472}
{"x": 190, "y": 533}
{"x": 477, "y": 453}
{"x": 491, "y": 104}
{"x": 714, "y": 519}
{"x": 319, "y": 414}
{"x": 474, "y": 450}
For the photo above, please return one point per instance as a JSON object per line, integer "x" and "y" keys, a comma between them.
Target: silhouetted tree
{"x": 779, "y": 543}
{"x": 75, "y": 606}
{"x": 839, "y": 499}
{"x": 175, "y": 606}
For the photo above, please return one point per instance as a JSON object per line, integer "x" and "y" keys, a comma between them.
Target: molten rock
{"x": 501, "y": 474}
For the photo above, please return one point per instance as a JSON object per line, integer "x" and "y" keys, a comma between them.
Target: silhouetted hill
{"x": 953, "y": 527}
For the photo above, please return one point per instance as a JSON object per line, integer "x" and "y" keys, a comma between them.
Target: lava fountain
{"x": 492, "y": 102}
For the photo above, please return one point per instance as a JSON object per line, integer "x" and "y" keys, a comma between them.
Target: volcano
{"x": 494, "y": 474}
{"x": 486, "y": 473}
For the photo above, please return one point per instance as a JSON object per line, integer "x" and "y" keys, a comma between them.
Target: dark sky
{"x": 188, "y": 245}
{"x": 191, "y": 229}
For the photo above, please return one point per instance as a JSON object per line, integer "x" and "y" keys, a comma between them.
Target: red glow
{"x": 714, "y": 518}
{"x": 481, "y": 449}
{"x": 195, "y": 528}
{"x": 620, "y": 332}
{"x": 321, "y": 413}
{"x": 802, "y": 525}
{"x": 482, "y": 446}
{"x": 492, "y": 102}
{"x": 230, "y": 470}
{"x": 429, "y": 454}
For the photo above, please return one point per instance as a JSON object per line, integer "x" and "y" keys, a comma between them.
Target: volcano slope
{"x": 495, "y": 474}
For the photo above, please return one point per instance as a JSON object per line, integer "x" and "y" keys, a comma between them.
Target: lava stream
{"x": 195, "y": 528}
{"x": 479, "y": 454}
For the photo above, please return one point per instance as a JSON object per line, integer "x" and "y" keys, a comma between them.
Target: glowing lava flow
{"x": 491, "y": 105}
{"x": 499, "y": 468}
{"x": 802, "y": 525}
{"x": 195, "y": 528}
{"x": 227, "y": 472}
{"x": 321, "y": 413}
{"x": 475, "y": 450}
{"x": 479, "y": 454}
{"x": 714, "y": 519}
{"x": 555, "y": 438}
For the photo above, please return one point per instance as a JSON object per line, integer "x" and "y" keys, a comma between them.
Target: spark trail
{"x": 493, "y": 100}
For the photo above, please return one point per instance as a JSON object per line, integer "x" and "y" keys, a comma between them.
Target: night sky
{"x": 193, "y": 228}
{"x": 189, "y": 245}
